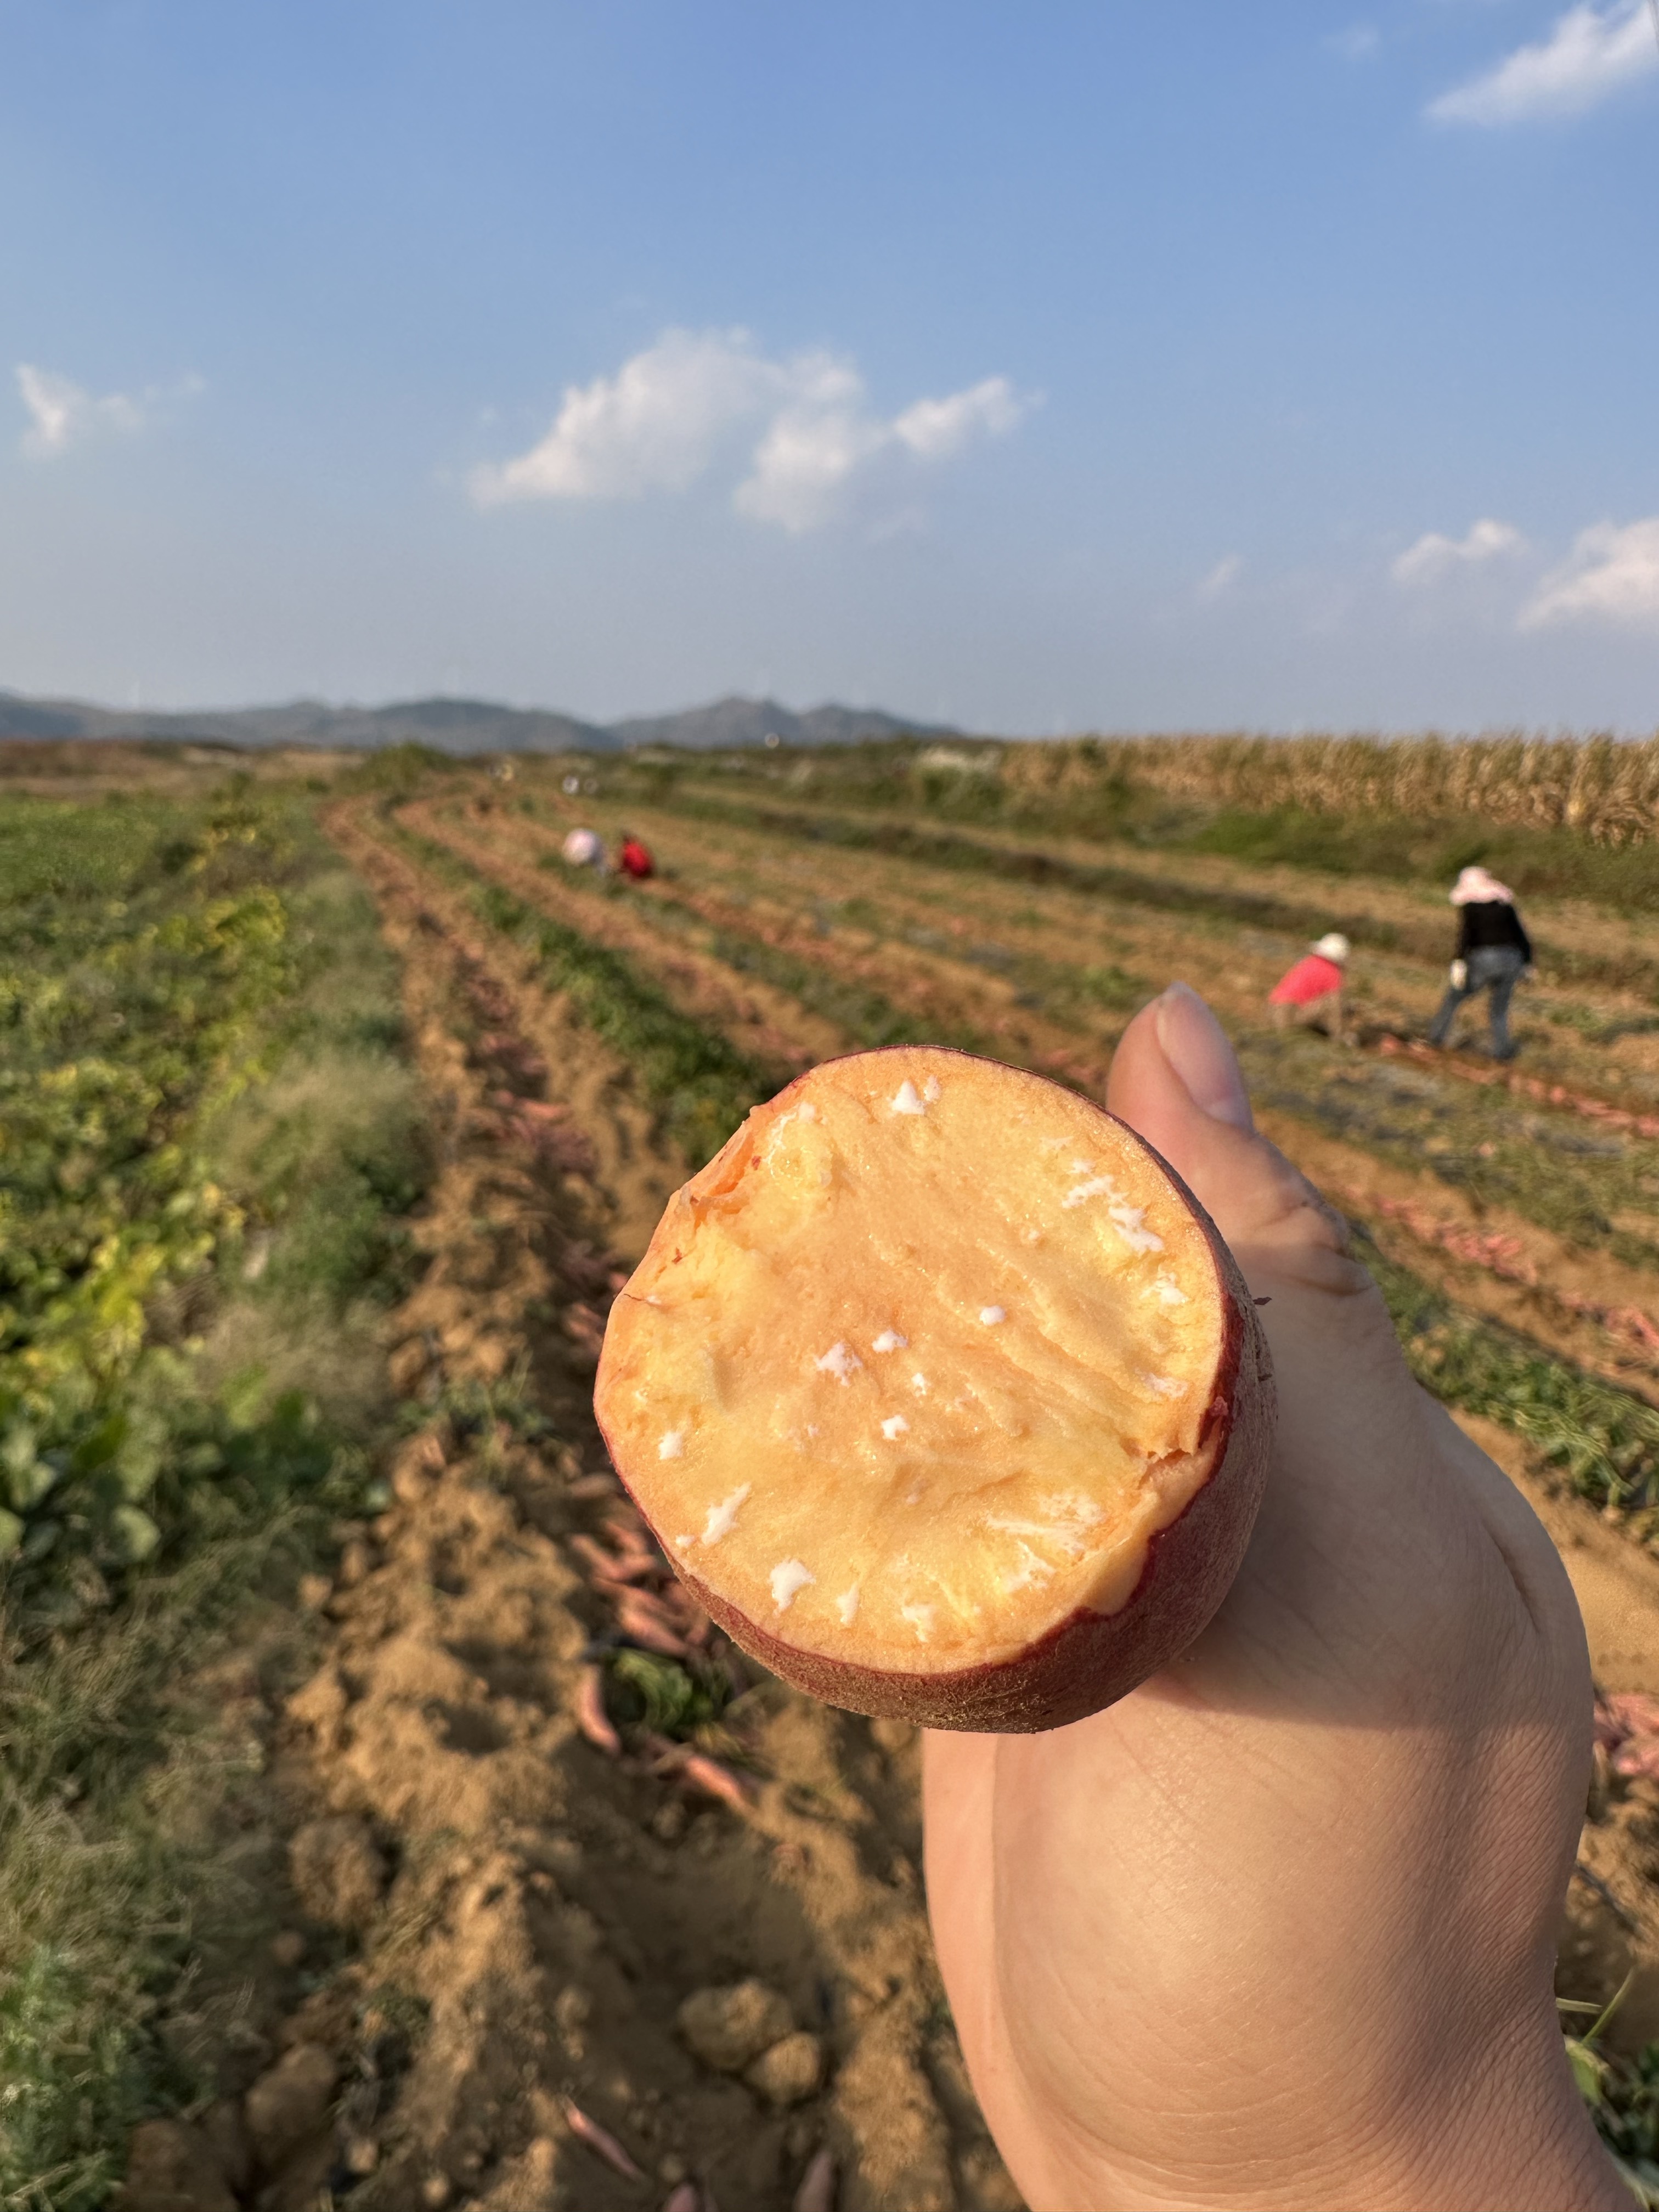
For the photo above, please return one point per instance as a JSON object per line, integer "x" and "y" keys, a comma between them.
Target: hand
{"x": 1279, "y": 1928}
{"x": 1459, "y": 973}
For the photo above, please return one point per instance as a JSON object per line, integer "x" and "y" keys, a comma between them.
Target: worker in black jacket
{"x": 1493, "y": 953}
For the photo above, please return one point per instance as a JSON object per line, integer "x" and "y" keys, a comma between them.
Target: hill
{"x": 453, "y": 726}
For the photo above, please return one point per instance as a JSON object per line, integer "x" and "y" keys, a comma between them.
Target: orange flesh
{"x": 917, "y": 1367}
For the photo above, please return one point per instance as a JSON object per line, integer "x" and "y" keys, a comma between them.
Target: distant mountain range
{"x": 458, "y": 726}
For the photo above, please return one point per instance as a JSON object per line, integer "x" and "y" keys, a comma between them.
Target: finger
{"x": 1175, "y": 1079}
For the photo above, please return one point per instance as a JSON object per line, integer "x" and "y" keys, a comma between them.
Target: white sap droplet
{"x": 919, "y": 1384}
{"x": 930, "y": 1089}
{"x": 991, "y": 1315}
{"x": 1169, "y": 1292}
{"x": 1069, "y": 1518}
{"x": 721, "y": 1517}
{"x": 1165, "y": 1386}
{"x": 846, "y": 1606}
{"x": 807, "y": 1110}
{"x": 905, "y": 1099}
{"x": 1032, "y": 1570}
{"x": 890, "y": 1340}
{"x": 789, "y": 1578}
{"x": 1131, "y": 1219}
{"x": 672, "y": 1445}
{"x": 1096, "y": 1187}
{"x": 680, "y": 1543}
{"x": 894, "y": 1427}
{"x": 841, "y": 1361}
{"x": 921, "y": 1617}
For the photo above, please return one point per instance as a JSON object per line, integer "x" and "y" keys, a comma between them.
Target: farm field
{"x": 373, "y": 1800}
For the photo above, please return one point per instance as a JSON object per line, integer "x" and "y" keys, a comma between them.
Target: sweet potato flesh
{"x": 917, "y": 1366}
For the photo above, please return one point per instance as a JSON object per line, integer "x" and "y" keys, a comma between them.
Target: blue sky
{"x": 1086, "y": 366}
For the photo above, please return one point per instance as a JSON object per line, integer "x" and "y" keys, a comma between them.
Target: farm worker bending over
{"x": 1312, "y": 990}
{"x": 634, "y": 859}
{"x": 583, "y": 849}
{"x": 1493, "y": 953}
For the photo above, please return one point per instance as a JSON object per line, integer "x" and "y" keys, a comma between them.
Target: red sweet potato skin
{"x": 1091, "y": 1660}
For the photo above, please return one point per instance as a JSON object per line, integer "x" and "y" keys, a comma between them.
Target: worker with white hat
{"x": 1493, "y": 953}
{"x": 1311, "y": 992}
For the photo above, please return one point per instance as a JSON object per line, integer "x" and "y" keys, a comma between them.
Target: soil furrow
{"x": 495, "y": 1917}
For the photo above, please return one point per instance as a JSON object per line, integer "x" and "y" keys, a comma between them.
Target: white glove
{"x": 1459, "y": 972}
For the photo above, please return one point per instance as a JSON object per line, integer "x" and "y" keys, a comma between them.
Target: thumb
{"x": 1176, "y": 1080}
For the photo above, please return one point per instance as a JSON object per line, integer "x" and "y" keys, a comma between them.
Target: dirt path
{"x": 504, "y": 1889}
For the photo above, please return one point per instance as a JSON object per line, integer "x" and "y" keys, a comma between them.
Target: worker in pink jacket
{"x": 1311, "y": 992}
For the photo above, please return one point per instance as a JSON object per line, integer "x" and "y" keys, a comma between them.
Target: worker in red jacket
{"x": 1311, "y": 992}
{"x": 634, "y": 859}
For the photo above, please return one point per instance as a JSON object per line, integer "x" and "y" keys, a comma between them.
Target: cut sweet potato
{"x": 943, "y": 1394}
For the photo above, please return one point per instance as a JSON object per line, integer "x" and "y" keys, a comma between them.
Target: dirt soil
{"x": 501, "y": 1892}
{"x": 535, "y": 1955}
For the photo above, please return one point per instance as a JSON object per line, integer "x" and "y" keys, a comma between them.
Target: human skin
{"x": 1277, "y": 1930}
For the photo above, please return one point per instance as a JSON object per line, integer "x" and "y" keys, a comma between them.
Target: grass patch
{"x": 219, "y": 1143}
{"x": 1576, "y": 1181}
{"x": 1607, "y": 1439}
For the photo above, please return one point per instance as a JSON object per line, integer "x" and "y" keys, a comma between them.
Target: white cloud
{"x": 1434, "y": 556}
{"x": 666, "y": 415}
{"x": 1589, "y": 53}
{"x": 1222, "y": 578}
{"x": 933, "y": 429}
{"x": 652, "y": 427}
{"x": 62, "y": 414}
{"x": 1611, "y": 576}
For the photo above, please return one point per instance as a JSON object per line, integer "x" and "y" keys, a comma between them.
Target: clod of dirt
{"x": 790, "y": 2071}
{"x": 337, "y": 1870}
{"x": 728, "y": 2028}
{"x": 289, "y": 2103}
{"x": 224, "y": 2131}
{"x": 170, "y": 2169}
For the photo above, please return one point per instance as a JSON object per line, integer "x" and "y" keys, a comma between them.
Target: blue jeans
{"x": 1493, "y": 968}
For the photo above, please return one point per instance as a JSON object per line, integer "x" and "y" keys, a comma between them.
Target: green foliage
{"x": 1606, "y": 1438}
{"x": 675, "y": 1700}
{"x": 209, "y": 1145}
{"x": 398, "y": 771}
{"x": 1550, "y": 1167}
{"x": 61, "y": 2053}
{"x": 150, "y": 981}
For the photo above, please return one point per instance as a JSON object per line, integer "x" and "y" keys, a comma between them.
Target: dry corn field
{"x": 540, "y": 1894}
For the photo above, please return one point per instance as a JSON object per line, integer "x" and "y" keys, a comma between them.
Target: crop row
{"x": 133, "y": 1004}
{"x": 1540, "y": 1165}
{"x": 1595, "y": 1188}
{"x": 208, "y": 1147}
{"x": 1172, "y": 891}
{"x": 1606, "y": 1437}
{"x": 700, "y": 1084}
